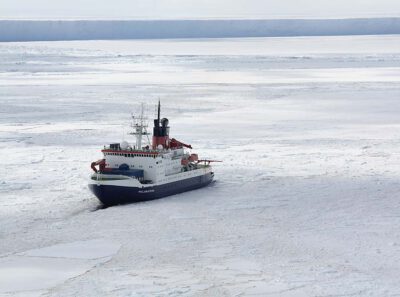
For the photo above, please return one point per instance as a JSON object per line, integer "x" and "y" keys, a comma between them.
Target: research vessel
{"x": 135, "y": 172}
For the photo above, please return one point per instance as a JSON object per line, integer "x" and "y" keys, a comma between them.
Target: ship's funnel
{"x": 160, "y": 131}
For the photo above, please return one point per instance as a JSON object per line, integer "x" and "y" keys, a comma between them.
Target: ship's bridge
{"x": 130, "y": 153}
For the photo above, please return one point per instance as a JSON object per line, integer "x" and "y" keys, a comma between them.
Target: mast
{"x": 139, "y": 126}
{"x": 158, "y": 113}
{"x": 139, "y": 135}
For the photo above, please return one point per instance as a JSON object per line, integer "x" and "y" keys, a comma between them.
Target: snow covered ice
{"x": 306, "y": 202}
{"x": 46, "y": 267}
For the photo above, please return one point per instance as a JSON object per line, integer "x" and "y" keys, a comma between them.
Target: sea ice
{"x": 305, "y": 202}
{"x": 44, "y": 268}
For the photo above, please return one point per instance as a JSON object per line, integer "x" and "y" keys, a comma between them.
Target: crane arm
{"x": 101, "y": 163}
{"x": 176, "y": 143}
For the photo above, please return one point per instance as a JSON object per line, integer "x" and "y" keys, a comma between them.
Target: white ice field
{"x": 306, "y": 202}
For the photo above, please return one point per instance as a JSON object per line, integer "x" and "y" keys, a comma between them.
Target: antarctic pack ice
{"x": 305, "y": 203}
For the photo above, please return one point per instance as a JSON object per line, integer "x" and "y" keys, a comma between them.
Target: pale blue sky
{"x": 150, "y": 9}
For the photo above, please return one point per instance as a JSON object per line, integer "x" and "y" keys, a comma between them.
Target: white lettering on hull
{"x": 146, "y": 191}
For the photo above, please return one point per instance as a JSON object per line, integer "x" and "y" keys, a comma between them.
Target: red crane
{"x": 101, "y": 163}
{"x": 177, "y": 144}
{"x": 208, "y": 161}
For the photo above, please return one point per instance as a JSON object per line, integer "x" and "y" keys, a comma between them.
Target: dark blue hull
{"x": 113, "y": 195}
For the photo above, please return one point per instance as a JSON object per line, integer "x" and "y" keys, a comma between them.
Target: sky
{"x": 195, "y": 9}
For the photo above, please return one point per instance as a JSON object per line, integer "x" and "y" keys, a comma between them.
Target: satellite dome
{"x": 164, "y": 122}
{"x": 124, "y": 145}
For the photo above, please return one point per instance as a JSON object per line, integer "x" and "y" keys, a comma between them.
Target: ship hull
{"x": 113, "y": 195}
